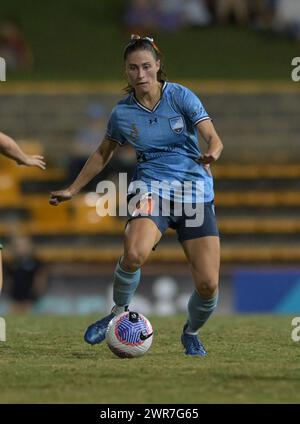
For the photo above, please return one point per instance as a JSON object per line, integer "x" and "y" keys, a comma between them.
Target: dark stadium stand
{"x": 241, "y": 221}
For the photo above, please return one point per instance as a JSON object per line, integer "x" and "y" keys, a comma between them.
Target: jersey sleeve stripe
{"x": 201, "y": 119}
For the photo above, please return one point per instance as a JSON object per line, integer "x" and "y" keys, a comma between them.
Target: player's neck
{"x": 150, "y": 99}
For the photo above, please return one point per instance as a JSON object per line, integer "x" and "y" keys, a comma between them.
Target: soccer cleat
{"x": 95, "y": 333}
{"x": 192, "y": 344}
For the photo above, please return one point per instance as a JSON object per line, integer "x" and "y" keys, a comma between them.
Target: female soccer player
{"x": 10, "y": 149}
{"x": 161, "y": 120}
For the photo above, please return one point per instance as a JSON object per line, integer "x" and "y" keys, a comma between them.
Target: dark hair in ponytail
{"x": 145, "y": 43}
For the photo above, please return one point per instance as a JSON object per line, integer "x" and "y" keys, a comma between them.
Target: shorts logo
{"x": 177, "y": 124}
{"x": 145, "y": 205}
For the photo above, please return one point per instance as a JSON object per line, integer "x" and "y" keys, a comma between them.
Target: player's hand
{"x": 34, "y": 160}
{"x": 206, "y": 160}
{"x": 56, "y": 197}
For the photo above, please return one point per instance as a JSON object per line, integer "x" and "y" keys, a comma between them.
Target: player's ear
{"x": 158, "y": 65}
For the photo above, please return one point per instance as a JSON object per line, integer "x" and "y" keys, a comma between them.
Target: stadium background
{"x": 243, "y": 75}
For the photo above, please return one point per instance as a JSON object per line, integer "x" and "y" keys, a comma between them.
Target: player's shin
{"x": 199, "y": 310}
{"x": 124, "y": 286}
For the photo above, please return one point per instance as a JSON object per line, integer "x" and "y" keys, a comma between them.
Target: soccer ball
{"x": 129, "y": 335}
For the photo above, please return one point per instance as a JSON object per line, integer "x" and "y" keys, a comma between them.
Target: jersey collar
{"x": 157, "y": 104}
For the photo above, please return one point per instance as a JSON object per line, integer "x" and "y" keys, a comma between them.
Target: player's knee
{"x": 133, "y": 259}
{"x": 207, "y": 288}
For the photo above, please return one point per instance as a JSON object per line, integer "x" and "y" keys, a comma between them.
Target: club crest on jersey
{"x": 177, "y": 124}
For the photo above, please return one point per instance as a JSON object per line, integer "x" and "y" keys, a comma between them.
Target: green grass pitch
{"x": 252, "y": 359}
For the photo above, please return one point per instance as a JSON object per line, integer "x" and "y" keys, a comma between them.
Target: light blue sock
{"x": 124, "y": 285}
{"x": 199, "y": 310}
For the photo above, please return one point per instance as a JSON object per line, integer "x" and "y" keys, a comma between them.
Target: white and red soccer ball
{"x": 129, "y": 335}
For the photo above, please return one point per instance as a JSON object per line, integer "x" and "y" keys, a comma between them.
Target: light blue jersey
{"x": 165, "y": 140}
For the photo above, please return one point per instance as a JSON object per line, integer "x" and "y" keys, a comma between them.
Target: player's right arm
{"x": 93, "y": 166}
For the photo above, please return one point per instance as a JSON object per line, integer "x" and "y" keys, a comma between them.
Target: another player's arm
{"x": 210, "y": 136}
{"x": 93, "y": 166}
{"x": 10, "y": 149}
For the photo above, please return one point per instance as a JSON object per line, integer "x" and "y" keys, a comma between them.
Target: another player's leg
{"x": 140, "y": 237}
{"x": 1, "y": 272}
{"x": 2, "y": 322}
{"x": 203, "y": 255}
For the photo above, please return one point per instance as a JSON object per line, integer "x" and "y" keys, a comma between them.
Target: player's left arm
{"x": 10, "y": 149}
{"x": 215, "y": 146}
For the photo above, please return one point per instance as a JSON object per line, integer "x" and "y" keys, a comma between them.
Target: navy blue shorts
{"x": 203, "y": 224}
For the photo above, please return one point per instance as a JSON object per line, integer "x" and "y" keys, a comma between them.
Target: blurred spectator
{"x": 232, "y": 9}
{"x": 86, "y": 142}
{"x": 175, "y": 14}
{"x": 211, "y": 7}
{"x": 146, "y": 17}
{"x": 28, "y": 276}
{"x": 170, "y": 15}
{"x": 262, "y": 13}
{"x": 196, "y": 13}
{"x": 14, "y": 47}
{"x": 287, "y": 18}
{"x": 141, "y": 17}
